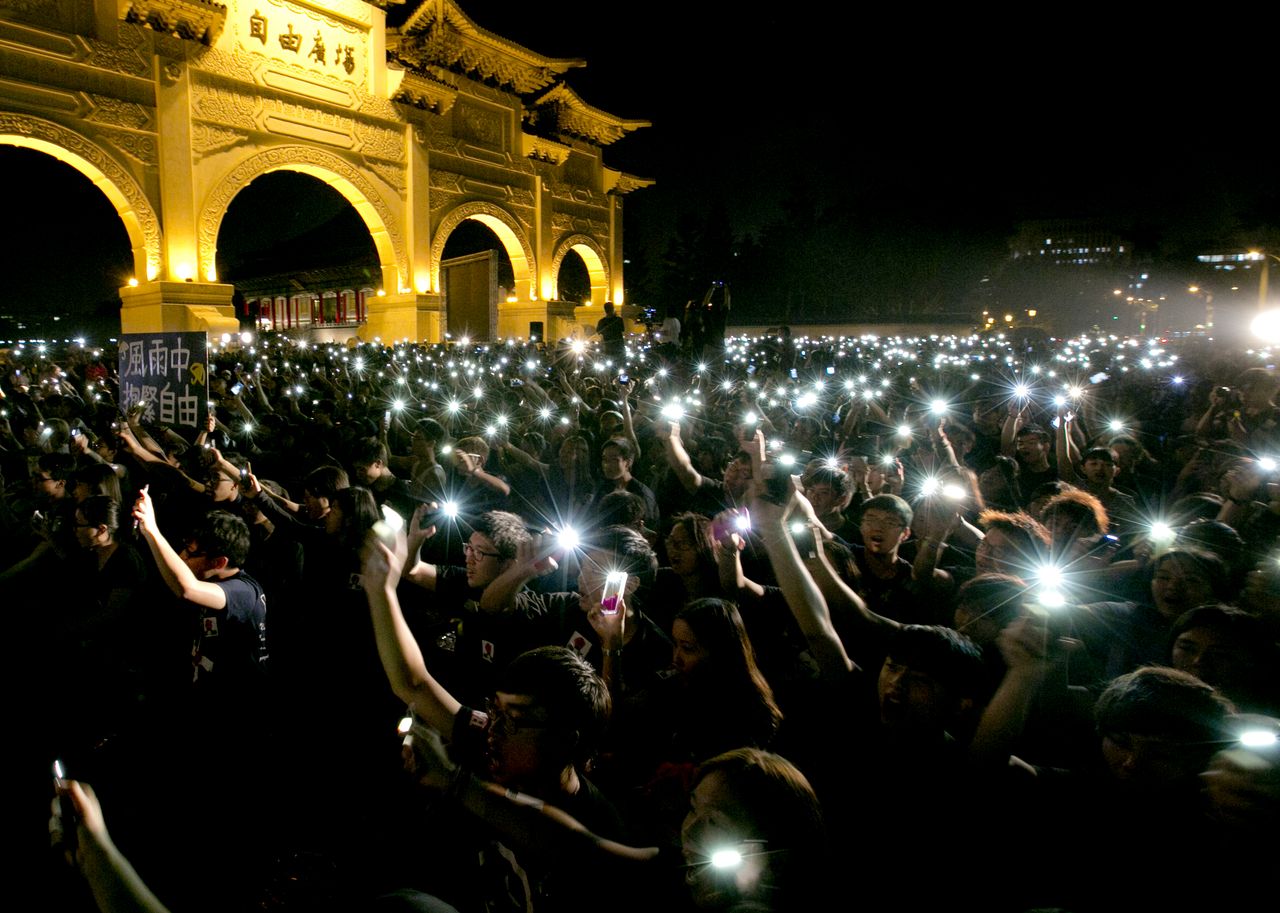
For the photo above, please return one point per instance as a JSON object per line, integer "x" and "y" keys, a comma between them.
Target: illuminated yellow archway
{"x": 95, "y": 163}
{"x": 332, "y": 170}
{"x": 592, "y": 255}
{"x": 509, "y": 233}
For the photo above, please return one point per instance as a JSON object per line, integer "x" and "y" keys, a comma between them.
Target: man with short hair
{"x": 471, "y": 647}
{"x": 711, "y": 496}
{"x": 616, "y": 459}
{"x": 575, "y": 618}
{"x": 830, "y": 491}
{"x": 885, "y": 579}
{"x": 229, "y": 648}
{"x": 610, "y": 328}
{"x": 370, "y": 468}
{"x": 1098, "y": 470}
{"x": 1031, "y": 449}
{"x": 539, "y": 729}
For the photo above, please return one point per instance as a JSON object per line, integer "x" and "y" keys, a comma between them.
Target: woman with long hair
{"x": 714, "y": 699}
{"x": 691, "y": 571}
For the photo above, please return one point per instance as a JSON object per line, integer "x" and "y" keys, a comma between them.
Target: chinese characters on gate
{"x": 343, "y": 54}
{"x": 168, "y": 373}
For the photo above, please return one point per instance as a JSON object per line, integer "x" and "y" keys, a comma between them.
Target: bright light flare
{"x": 1258, "y": 738}
{"x": 673, "y": 412}
{"x": 1049, "y": 577}
{"x": 567, "y": 538}
{"x": 1266, "y": 326}
{"x": 726, "y": 859}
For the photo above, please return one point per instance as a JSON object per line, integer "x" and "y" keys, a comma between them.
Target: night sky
{"x": 919, "y": 126}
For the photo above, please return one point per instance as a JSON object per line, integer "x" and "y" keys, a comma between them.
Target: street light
{"x": 1208, "y": 304}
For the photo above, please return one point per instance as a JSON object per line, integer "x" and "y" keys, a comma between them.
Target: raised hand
{"x": 381, "y": 566}
{"x": 144, "y": 512}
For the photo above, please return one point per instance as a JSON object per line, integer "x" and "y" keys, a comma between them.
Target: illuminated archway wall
{"x": 172, "y": 107}
{"x": 319, "y": 164}
{"x": 594, "y": 258}
{"x": 106, "y": 173}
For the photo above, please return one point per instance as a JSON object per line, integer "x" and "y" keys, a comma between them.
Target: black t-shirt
{"x": 506, "y": 878}
{"x": 229, "y": 647}
{"x": 556, "y": 619}
{"x": 893, "y": 597}
{"x": 610, "y": 330}
{"x": 1029, "y": 480}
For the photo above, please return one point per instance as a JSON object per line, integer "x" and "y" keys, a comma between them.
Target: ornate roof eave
{"x": 575, "y": 118}
{"x": 423, "y": 91}
{"x": 440, "y": 33}
{"x": 543, "y": 149}
{"x": 620, "y": 183}
{"x": 193, "y": 20}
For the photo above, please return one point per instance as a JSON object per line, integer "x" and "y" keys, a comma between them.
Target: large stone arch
{"x": 109, "y": 176}
{"x": 509, "y": 232}
{"x": 339, "y": 174}
{"x": 592, "y": 255}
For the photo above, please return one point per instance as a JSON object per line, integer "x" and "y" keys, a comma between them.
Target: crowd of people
{"x": 780, "y": 625}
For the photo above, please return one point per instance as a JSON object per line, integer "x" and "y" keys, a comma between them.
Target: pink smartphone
{"x": 614, "y": 586}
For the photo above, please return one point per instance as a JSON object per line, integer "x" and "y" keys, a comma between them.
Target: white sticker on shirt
{"x": 579, "y": 644}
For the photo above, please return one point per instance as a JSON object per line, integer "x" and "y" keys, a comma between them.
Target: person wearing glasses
{"x": 536, "y": 735}
{"x": 468, "y": 647}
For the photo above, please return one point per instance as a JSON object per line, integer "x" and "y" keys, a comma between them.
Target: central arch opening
{"x": 474, "y": 237}
{"x": 299, "y": 255}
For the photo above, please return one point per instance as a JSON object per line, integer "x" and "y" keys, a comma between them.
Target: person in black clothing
{"x": 610, "y": 328}
{"x": 536, "y": 734}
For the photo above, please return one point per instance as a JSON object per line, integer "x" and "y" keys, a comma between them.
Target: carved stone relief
{"x": 475, "y": 208}
{"x": 227, "y": 107}
{"x": 236, "y": 65}
{"x": 130, "y": 54}
{"x": 209, "y": 138}
{"x": 392, "y": 174}
{"x": 449, "y": 181}
{"x": 480, "y": 125}
{"x": 381, "y": 142}
{"x": 140, "y": 146}
{"x": 117, "y": 113}
{"x": 440, "y": 142}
